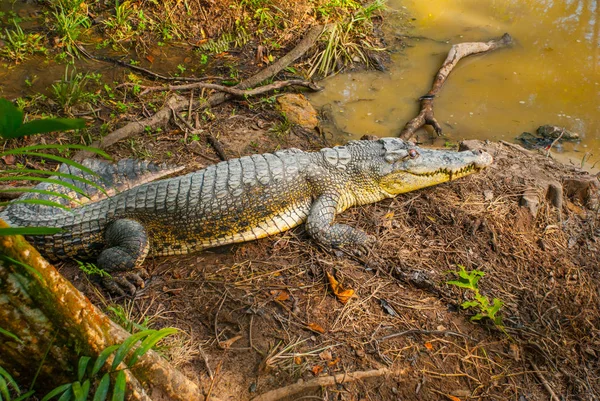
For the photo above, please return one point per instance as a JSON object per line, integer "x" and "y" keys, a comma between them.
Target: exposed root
{"x": 296, "y": 388}
{"x": 456, "y": 53}
{"x": 176, "y": 103}
{"x": 233, "y": 90}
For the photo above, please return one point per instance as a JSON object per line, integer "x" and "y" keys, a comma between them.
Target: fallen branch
{"x": 234, "y": 90}
{"x": 176, "y": 103}
{"x": 293, "y": 389}
{"x": 457, "y": 52}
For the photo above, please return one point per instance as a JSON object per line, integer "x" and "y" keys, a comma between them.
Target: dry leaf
{"x": 452, "y": 398}
{"x": 280, "y": 295}
{"x": 317, "y": 369}
{"x": 342, "y": 294}
{"x": 333, "y": 363}
{"x": 326, "y": 355}
{"x": 9, "y": 159}
{"x": 316, "y": 327}
{"x": 428, "y": 345}
{"x": 298, "y": 360}
{"x": 389, "y": 215}
{"x": 150, "y": 58}
{"x": 228, "y": 343}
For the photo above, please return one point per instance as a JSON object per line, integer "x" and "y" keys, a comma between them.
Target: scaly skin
{"x": 243, "y": 199}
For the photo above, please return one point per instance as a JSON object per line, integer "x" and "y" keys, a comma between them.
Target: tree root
{"x": 293, "y": 389}
{"x": 457, "y": 52}
{"x": 234, "y": 90}
{"x": 176, "y": 103}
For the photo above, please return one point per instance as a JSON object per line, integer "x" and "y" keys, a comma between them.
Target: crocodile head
{"x": 403, "y": 167}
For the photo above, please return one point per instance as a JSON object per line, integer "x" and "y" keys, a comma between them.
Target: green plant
{"x": 282, "y": 128}
{"x": 8, "y": 385}
{"x": 71, "y": 90}
{"x": 69, "y": 23}
{"x": 481, "y": 303}
{"x": 88, "y": 370}
{"x": 18, "y": 45}
{"x": 346, "y": 41}
{"x": 12, "y": 125}
{"x": 124, "y": 317}
{"x": 91, "y": 269}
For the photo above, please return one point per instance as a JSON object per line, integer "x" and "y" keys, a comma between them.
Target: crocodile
{"x": 233, "y": 201}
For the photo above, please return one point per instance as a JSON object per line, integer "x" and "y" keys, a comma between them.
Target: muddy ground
{"x": 262, "y": 315}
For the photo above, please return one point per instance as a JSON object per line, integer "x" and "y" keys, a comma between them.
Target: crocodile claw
{"x": 126, "y": 283}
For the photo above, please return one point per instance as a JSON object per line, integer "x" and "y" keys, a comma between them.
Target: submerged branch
{"x": 456, "y": 53}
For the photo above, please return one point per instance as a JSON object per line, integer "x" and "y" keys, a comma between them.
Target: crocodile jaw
{"x": 431, "y": 168}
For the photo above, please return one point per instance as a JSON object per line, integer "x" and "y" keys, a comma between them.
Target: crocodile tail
{"x": 109, "y": 179}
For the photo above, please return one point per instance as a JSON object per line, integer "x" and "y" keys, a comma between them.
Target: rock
{"x": 488, "y": 195}
{"x": 584, "y": 190}
{"x": 298, "y": 110}
{"x": 554, "y": 131}
{"x": 470, "y": 144}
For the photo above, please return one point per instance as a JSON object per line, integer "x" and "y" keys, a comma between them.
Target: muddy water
{"x": 551, "y": 75}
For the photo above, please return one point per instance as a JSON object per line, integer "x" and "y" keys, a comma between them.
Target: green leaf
{"x": 59, "y": 390}
{"x": 43, "y": 202}
{"x": 101, "y": 360}
{"x": 10, "y": 381}
{"x": 82, "y": 366}
{"x": 49, "y": 125}
{"x": 150, "y": 342}
{"x": 478, "y": 316}
{"x": 11, "y": 118}
{"x": 44, "y": 179}
{"x": 30, "y": 230}
{"x": 11, "y": 335}
{"x": 57, "y": 147}
{"x": 460, "y": 284}
{"x": 103, "y": 387}
{"x": 37, "y": 191}
{"x": 73, "y": 177}
{"x": 24, "y": 265}
{"x": 67, "y": 395}
{"x": 119, "y": 390}
{"x": 25, "y": 396}
{"x": 85, "y": 390}
{"x": 4, "y": 389}
{"x": 126, "y": 346}
{"x": 469, "y": 304}
{"x": 77, "y": 391}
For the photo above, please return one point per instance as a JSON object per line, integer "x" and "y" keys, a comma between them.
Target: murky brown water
{"x": 551, "y": 75}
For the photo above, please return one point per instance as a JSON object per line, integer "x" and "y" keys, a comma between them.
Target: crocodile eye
{"x": 413, "y": 153}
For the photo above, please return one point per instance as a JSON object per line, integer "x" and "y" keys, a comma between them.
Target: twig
{"x": 554, "y": 142}
{"x": 288, "y": 391}
{"x": 434, "y": 332}
{"x": 457, "y": 52}
{"x": 545, "y": 383}
{"x": 177, "y": 103}
{"x": 234, "y": 90}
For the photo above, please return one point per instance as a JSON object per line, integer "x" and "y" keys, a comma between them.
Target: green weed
{"x": 71, "y": 90}
{"x": 481, "y": 303}
{"x": 69, "y": 22}
{"x": 91, "y": 269}
{"x": 114, "y": 380}
{"x": 18, "y": 44}
{"x": 346, "y": 41}
{"x": 8, "y": 387}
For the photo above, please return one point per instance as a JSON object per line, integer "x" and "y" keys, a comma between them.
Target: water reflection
{"x": 551, "y": 75}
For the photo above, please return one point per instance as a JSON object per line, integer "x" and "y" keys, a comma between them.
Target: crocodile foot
{"x": 125, "y": 283}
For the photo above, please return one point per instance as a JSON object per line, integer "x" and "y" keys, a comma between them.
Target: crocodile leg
{"x": 320, "y": 226}
{"x": 127, "y": 247}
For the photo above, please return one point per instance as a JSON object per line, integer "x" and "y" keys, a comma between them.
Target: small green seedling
{"x": 91, "y": 269}
{"x": 481, "y": 303}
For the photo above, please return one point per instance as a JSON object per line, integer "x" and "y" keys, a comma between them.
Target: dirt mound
{"x": 262, "y": 315}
